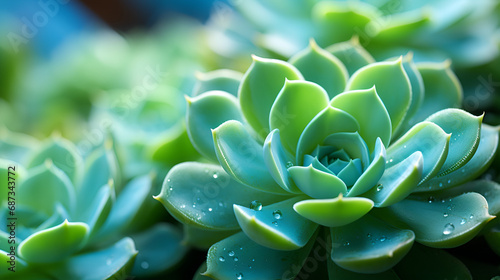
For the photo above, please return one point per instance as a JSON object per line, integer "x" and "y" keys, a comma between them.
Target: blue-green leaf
{"x": 352, "y": 54}
{"x": 465, "y": 130}
{"x": 394, "y": 92}
{"x": 222, "y": 79}
{"x": 440, "y": 222}
{"x": 63, "y": 155}
{"x": 204, "y": 194}
{"x": 159, "y": 249}
{"x": 54, "y": 244}
{"x": 322, "y": 68}
{"x": 368, "y": 109}
{"x": 482, "y": 159}
{"x": 369, "y": 245}
{"x": 278, "y": 161}
{"x": 260, "y": 86}
{"x": 316, "y": 183}
{"x": 276, "y": 226}
{"x": 372, "y": 173}
{"x": 296, "y": 105}
{"x": 206, "y": 112}
{"x": 430, "y": 140}
{"x": 241, "y": 157}
{"x": 334, "y": 212}
{"x": 238, "y": 256}
{"x": 398, "y": 181}
{"x": 118, "y": 260}
{"x": 202, "y": 238}
{"x": 126, "y": 206}
{"x": 330, "y": 120}
{"x": 336, "y": 272}
{"x": 45, "y": 186}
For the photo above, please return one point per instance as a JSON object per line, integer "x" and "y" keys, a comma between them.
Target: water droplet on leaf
{"x": 222, "y": 259}
{"x": 256, "y": 205}
{"x": 144, "y": 265}
{"x": 231, "y": 253}
{"x": 448, "y": 229}
{"x": 289, "y": 164}
{"x": 277, "y": 214}
{"x": 239, "y": 276}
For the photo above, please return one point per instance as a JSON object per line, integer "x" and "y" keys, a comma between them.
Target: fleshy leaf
{"x": 203, "y": 195}
{"x": 369, "y": 245}
{"x": 54, "y": 244}
{"x": 334, "y": 212}
{"x": 394, "y": 92}
{"x": 352, "y": 54}
{"x": 16, "y": 146}
{"x": 222, "y": 79}
{"x": 50, "y": 183}
{"x": 367, "y": 108}
{"x": 440, "y": 222}
{"x": 296, "y": 105}
{"x": 442, "y": 89}
{"x": 118, "y": 260}
{"x": 97, "y": 212}
{"x": 276, "y": 226}
{"x": 241, "y": 157}
{"x": 330, "y": 120}
{"x": 428, "y": 263}
{"x": 102, "y": 166}
{"x": 322, "y": 68}
{"x": 159, "y": 249}
{"x": 465, "y": 130}
{"x": 63, "y": 155}
{"x": 316, "y": 183}
{"x": 430, "y": 140}
{"x": 206, "y": 112}
{"x": 278, "y": 161}
{"x": 482, "y": 159}
{"x": 6, "y": 262}
{"x": 260, "y": 86}
{"x": 126, "y": 206}
{"x": 339, "y": 21}
{"x": 352, "y": 144}
{"x": 238, "y": 256}
{"x": 373, "y": 172}
{"x": 398, "y": 181}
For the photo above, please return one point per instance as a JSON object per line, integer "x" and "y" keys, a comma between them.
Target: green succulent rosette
{"x": 332, "y": 148}
{"x": 69, "y": 217}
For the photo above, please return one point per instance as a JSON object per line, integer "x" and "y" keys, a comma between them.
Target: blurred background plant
{"x": 118, "y": 70}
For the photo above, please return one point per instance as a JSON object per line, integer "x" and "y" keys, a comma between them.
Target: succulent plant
{"x": 332, "y": 148}
{"x": 70, "y": 216}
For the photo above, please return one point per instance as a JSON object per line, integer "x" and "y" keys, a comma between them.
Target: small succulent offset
{"x": 331, "y": 147}
{"x": 70, "y": 217}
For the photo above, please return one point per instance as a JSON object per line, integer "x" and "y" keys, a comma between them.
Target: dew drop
{"x": 277, "y": 214}
{"x": 471, "y": 216}
{"x": 379, "y": 187}
{"x": 347, "y": 243}
{"x": 253, "y": 260}
{"x": 239, "y": 276}
{"x": 449, "y": 207}
{"x": 445, "y": 215}
{"x": 231, "y": 253}
{"x": 241, "y": 248}
{"x": 391, "y": 160}
{"x": 448, "y": 229}
{"x": 222, "y": 259}
{"x": 144, "y": 265}
{"x": 275, "y": 223}
{"x": 194, "y": 205}
{"x": 383, "y": 238}
{"x": 209, "y": 209}
{"x": 440, "y": 185}
{"x": 404, "y": 147}
{"x": 369, "y": 235}
{"x": 256, "y": 205}
{"x": 289, "y": 164}
{"x": 463, "y": 221}
{"x": 431, "y": 199}
{"x": 449, "y": 181}
{"x": 236, "y": 259}
{"x": 215, "y": 176}
{"x": 183, "y": 206}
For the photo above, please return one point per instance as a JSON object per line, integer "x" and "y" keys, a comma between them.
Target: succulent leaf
{"x": 260, "y": 86}
{"x": 321, "y": 67}
{"x": 369, "y": 245}
{"x": 206, "y": 112}
{"x": 334, "y": 212}
{"x": 276, "y": 226}
{"x": 241, "y": 157}
{"x": 295, "y": 106}
{"x": 204, "y": 194}
{"x": 224, "y": 79}
{"x": 316, "y": 183}
{"x": 352, "y": 54}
